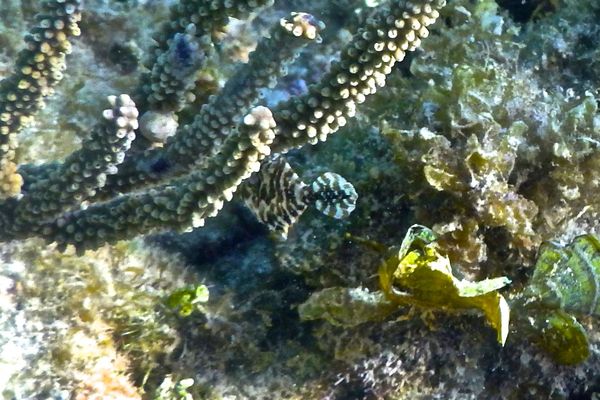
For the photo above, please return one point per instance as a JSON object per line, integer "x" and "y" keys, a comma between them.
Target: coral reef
{"x": 230, "y": 136}
{"x": 487, "y": 135}
{"x": 477, "y": 127}
{"x": 518, "y": 169}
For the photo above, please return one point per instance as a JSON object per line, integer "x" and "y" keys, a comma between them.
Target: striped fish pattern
{"x": 279, "y": 197}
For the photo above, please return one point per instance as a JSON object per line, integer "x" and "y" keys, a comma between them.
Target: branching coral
{"x": 230, "y": 137}
{"x": 38, "y": 70}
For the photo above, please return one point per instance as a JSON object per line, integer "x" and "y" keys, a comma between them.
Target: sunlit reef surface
{"x": 488, "y": 134}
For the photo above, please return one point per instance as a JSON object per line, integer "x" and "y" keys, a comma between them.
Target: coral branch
{"x": 267, "y": 63}
{"x": 78, "y": 177}
{"x": 393, "y": 30}
{"x": 38, "y": 69}
{"x": 197, "y": 20}
{"x": 183, "y": 202}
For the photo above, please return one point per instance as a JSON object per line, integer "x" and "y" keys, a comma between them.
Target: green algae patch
{"x": 568, "y": 277}
{"x": 561, "y": 336}
{"x": 564, "y": 286}
{"x": 416, "y": 274}
{"x": 342, "y": 306}
{"x": 187, "y": 300}
{"x": 420, "y": 275}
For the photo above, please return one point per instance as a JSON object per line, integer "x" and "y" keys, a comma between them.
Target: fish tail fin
{"x": 333, "y": 195}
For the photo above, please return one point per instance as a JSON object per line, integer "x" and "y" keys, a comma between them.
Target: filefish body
{"x": 280, "y": 197}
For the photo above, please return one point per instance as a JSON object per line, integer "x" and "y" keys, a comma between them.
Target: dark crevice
{"x": 526, "y": 10}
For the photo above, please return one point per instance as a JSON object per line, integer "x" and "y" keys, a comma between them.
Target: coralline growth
{"x": 134, "y": 187}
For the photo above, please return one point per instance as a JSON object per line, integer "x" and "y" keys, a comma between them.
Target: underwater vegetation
{"x": 564, "y": 285}
{"x": 414, "y": 274}
{"x": 490, "y": 139}
{"x": 188, "y": 300}
{"x": 467, "y": 255}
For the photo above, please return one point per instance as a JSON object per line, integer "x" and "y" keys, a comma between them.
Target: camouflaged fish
{"x": 278, "y": 196}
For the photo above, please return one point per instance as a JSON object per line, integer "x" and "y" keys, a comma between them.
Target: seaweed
{"x": 415, "y": 274}
{"x": 187, "y": 300}
{"x": 564, "y": 287}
